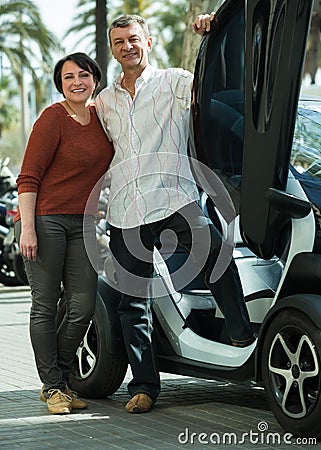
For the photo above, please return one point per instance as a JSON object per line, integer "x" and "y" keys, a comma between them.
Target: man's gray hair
{"x": 128, "y": 19}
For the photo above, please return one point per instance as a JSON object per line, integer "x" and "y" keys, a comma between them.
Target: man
{"x": 145, "y": 113}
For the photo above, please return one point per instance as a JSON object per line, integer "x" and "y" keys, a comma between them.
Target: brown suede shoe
{"x": 140, "y": 403}
{"x": 76, "y": 402}
{"x": 58, "y": 402}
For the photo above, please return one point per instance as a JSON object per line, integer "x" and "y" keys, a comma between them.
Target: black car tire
{"x": 291, "y": 371}
{"x": 98, "y": 372}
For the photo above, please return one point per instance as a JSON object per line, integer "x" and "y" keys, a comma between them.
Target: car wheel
{"x": 98, "y": 372}
{"x": 291, "y": 372}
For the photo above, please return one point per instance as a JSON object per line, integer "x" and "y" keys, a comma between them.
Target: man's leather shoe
{"x": 140, "y": 403}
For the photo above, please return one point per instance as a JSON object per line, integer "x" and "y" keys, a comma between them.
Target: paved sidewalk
{"x": 185, "y": 406}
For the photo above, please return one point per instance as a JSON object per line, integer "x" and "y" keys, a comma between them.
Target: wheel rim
{"x": 86, "y": 355}
{"x": 294, "y": 372}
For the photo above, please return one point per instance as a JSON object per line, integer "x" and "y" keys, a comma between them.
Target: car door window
{"x": 222, "y": 102}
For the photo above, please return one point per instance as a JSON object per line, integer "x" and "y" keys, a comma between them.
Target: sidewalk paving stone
{"x": 185, "y": 406}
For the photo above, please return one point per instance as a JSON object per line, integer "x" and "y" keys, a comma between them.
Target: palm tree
{"x": 91, "y": 25}
{"x": 133, "y": 7}
{"x": 169, "y": 27}
{"x": 8, "y": 112}
{"x": 27, "y": 46}
{"x": 84, "y": 24}
{"x": 101, "y": 40}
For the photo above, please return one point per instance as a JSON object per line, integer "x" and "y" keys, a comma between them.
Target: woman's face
{"x": 78, "y": 84}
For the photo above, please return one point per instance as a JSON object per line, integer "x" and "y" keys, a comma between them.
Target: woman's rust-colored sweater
{"x": 63, "y": 162}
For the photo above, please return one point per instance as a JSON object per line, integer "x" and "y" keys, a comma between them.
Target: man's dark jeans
{"x": 132, "y": 250}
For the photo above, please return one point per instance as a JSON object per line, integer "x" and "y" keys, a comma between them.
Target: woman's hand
{"x": 29, "y": 244}
{"x": 203, "y": 23}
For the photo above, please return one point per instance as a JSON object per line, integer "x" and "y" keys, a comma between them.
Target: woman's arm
{"x": 41, "y": 148}
{"x": 28, "y": 238}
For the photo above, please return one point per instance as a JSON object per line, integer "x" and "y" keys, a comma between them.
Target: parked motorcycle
{"x": 12, "y": 272}
{"x": 11, "y": 249}
{"x": 7, "y": 178}
{"x": 3, "y": 228}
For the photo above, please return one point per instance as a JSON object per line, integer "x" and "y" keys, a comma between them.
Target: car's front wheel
{"x": 291, "y": 372}
{"x": 98, "y": 369}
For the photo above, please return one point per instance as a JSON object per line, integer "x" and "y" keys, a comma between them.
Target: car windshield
{"x": 306, "y": 150}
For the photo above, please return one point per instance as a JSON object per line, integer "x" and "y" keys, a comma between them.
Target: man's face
{"x": 130, "y": 47}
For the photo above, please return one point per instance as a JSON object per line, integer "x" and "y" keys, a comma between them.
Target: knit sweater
{"x": 63, "y": 162}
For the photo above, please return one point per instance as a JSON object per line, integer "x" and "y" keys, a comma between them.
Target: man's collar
{"x": 146, "y": 73}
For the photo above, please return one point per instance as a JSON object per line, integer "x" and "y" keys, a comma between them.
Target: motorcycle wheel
{"x": 291, "y": 371}
{"x": 98, "y": 372}
{"x": 7, "y": 274}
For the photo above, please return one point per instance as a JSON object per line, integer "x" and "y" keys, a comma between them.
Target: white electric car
{"x": 262, "y": 147}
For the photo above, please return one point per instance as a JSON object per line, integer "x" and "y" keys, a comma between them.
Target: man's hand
{"x": 203, "y": 23}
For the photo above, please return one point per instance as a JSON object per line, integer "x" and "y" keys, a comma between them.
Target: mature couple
{"x": 138, "y": 129}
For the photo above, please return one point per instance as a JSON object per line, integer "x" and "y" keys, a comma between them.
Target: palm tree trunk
{"x": 24, "y": 110}
{"x": 101, "y": 40}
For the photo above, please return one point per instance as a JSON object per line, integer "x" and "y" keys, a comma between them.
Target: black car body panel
{"x": 245, "y": 87}
{"x": 275, "y": 55}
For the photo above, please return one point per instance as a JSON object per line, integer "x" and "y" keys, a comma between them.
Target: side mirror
{"x": 288, "y": 206}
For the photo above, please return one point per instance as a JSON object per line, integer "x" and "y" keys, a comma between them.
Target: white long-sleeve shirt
{"x": 150, "y": 172}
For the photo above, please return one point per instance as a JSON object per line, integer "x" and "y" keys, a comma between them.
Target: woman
{"x": 66, "y": 155}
